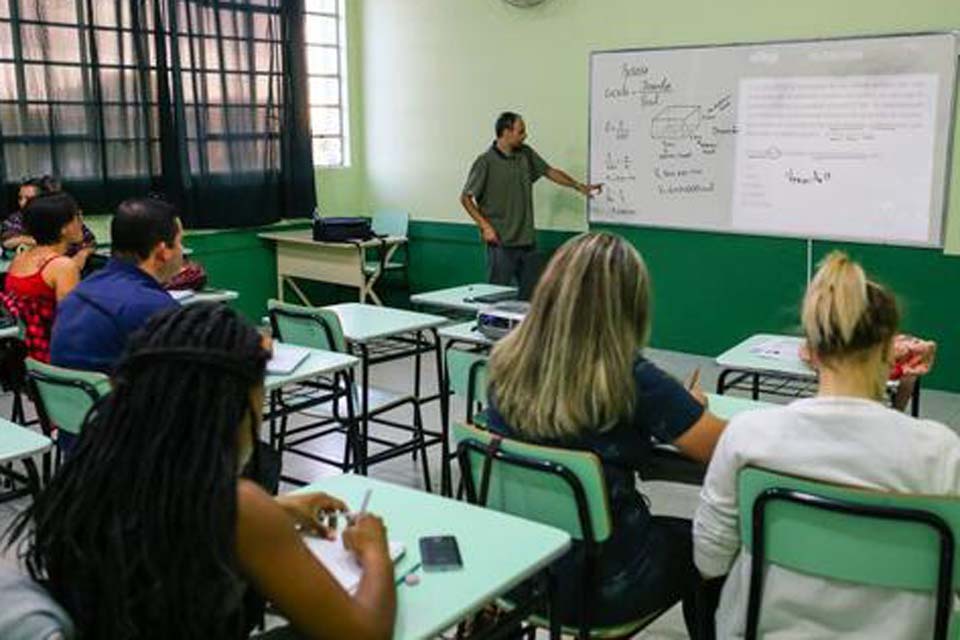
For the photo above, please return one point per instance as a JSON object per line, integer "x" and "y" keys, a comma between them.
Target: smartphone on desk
{"x": 440, "y": 553}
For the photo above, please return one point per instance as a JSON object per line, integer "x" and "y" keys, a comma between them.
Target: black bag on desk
{"x": 341, "y": 229}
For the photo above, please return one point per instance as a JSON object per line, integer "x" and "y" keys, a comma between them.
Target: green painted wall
{"x": 428, "y": 77}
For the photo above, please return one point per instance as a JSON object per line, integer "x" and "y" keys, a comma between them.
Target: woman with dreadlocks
{"x": 148, "y": 531}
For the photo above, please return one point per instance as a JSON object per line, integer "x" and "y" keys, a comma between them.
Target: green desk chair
{"x": 320, "y": 328}
{"x": 467, "y": 377}
{"x": 862, "y": 536}
{"x": 390, "y": 223}
{"x": 20, "y": 444}
{"x": 562, "y": 488}
{"x": 63, "y": 398}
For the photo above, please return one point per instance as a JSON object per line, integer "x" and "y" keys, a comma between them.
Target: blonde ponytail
{"x": 843, "y": 312}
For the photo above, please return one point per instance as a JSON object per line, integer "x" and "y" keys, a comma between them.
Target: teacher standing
{"x": 498, "y": 196}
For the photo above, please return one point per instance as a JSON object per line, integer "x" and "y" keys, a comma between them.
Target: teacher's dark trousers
{"x": 514, "y": 266}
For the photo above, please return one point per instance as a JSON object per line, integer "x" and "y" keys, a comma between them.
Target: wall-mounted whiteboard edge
{"x": 948, "y": 161}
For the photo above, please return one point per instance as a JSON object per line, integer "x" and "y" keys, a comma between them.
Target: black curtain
{"x": 202, "y": 100}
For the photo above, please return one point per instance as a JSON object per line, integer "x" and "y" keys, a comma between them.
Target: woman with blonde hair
{"x": 844, "y": 435}
{"x": 572, "y": 375}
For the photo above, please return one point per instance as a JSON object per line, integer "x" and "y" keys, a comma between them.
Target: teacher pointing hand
{"x": 498, "y": 196}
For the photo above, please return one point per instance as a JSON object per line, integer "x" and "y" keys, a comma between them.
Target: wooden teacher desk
{"x": 300, "y": 256}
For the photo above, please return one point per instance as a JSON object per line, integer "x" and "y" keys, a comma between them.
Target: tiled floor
{"x": 666, "y": 498}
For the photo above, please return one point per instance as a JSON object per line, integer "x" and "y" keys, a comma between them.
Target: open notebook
{"x": 342, "y": 563}
{"x": 286, "y": 358}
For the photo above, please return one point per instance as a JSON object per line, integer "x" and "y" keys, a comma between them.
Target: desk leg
{"x": 446, "y": 481}
{"x": 915, "y": 399}
{"x": 756, "y": 386}
{"x": 300, "y": 294}
{"x": 353, "y": 446}
{"x": 273, "y": 418}
{"x": 364, "y": 406}
{"x": 553, "y": 605}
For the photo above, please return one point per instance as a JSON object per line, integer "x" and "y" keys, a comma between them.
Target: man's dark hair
{"x": 47, "y": 214}
{"x": 141, "y": 223}
{"x": 505, "y": 121}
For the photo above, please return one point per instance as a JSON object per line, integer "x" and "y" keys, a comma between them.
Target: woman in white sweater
{"x": 843, "y": 435}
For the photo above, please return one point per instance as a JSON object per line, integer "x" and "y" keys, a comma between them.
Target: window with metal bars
{"x": 327, "y": 78}
{"x": 191, "y": 98}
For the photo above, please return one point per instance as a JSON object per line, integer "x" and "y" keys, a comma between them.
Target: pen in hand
{"x": 694, "y": 380}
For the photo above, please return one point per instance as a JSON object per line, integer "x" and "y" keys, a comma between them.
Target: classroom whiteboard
{"x": 839, "y": 139}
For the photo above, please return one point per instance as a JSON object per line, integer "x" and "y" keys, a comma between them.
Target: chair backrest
{"x": 877, "y": 538}
{"x": 468, "y": 377}
{"x": 563, "y": 488}
{"x": 390, "y": 222}
{"x": 314, "y": 327}
{"x": 64, "y": 396}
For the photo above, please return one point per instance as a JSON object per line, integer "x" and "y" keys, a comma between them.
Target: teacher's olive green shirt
{"x": 502, "y": 185}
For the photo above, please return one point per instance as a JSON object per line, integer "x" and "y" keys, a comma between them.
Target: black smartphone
{"x": 440, "y": 553}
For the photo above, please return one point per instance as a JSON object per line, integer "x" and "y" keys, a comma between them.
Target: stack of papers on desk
{"x": 286, "y": 358}
{"x": 342, "y": 563}
{"x": 182, "y": 294}
{"x": 787, "y": 349}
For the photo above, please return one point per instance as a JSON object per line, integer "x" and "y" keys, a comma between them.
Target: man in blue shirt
{"x": 94, "y": 321}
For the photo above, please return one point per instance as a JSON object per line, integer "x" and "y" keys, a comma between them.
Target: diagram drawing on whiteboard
{"x": 675, "y": 121}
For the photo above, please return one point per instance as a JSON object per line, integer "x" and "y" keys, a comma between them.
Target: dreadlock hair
{"x": 135, "y": 535}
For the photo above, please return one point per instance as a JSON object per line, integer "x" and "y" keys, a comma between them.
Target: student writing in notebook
{"x": 573, "y": 375}
{"x": 148, "y": 530}
{"x": 844, "y": 435}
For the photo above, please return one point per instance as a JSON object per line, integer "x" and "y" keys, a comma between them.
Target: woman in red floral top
{"x": 40, "y": 277}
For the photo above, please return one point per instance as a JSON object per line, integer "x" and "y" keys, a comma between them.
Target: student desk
{"x": 460, "y": 300}
{"x": 210, "y": 295}
{"x": 499, "y": 551}
{"x": 770, "y": 363}
{"x": 383, "y": 334}
{"x": 300, "y": 256}
{"x": 20, "y": 443}
{"x": 318, "y": 363}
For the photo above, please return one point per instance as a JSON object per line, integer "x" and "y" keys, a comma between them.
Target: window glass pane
{"x": 24, "y": 160}
{"x": 322, "y": 6}
{"x": 6, "y": 39}
{"x": 104, "y": 14}
{"x": 49, "y": 10}
{"x": 125, "y": 122}
{"x": 325, "y": 121}
{"x": 5, "y": 8}
{"x": 266, "y": 27}
{"x": 267, "y": 56}
{"x": 48, "y": 82}
{"x": 321, "y": 29}
{"x": 78, "y": 159}
{"x": 126, "y": 158}
{"x": 8, "y": 82}
{"x": 327, "y": 151}
{"x": 322, "y": 60}
{"x": 232, "y": 23}
{"x": 50, "y": 44}
{"x": 72, "y": 119}
{"x": 324, "y": 91}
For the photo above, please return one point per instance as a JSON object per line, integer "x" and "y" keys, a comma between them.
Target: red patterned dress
{"x": 34, "y": 303}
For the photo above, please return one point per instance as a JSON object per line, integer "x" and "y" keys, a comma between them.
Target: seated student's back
{"x": 572, "y": 375}
{"x": 844, "y": 435}
{"x": 94, "y": 322}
